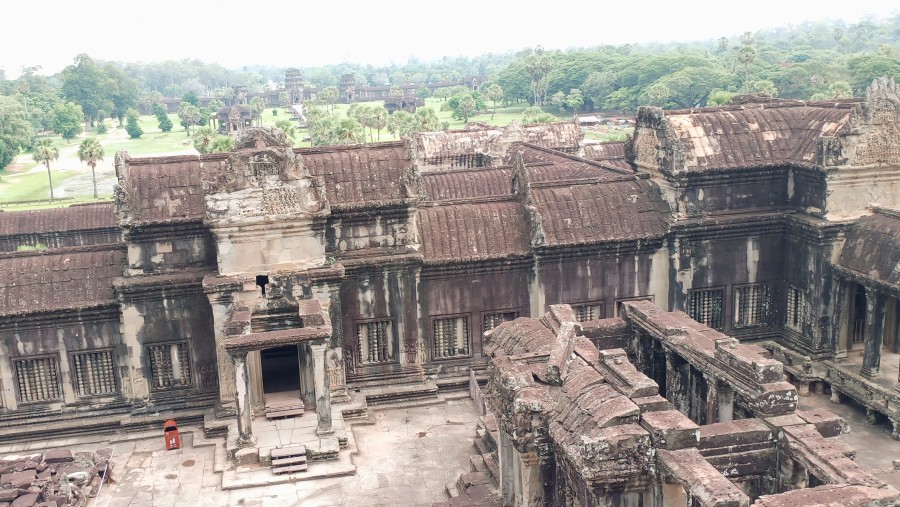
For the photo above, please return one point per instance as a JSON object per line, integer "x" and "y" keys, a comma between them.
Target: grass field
{"x": 24, "y": 180}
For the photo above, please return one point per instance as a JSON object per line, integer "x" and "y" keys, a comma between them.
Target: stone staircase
{"x": 402, "y": 384}
{"x": 286, "y": 460}
{"x": 478, "y": 487}
{"x": 283, "y": 404}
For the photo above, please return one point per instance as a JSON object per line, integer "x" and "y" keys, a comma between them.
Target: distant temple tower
{"x": 293, "y": 84}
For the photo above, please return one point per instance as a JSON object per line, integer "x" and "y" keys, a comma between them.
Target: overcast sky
{"x": 317, "y": 32}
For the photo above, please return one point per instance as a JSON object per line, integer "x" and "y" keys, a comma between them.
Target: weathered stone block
{"x": 8, "y": 495}
{"x": 828, "y": 424}
{"x": 28, "y": 500}
{"x": 670, "y": 429}
{"x": 58, "y": 456}
{"x": 17, "y": 479}
{"x": 247, "y": 456}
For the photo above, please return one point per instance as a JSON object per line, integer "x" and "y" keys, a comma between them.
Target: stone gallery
{"x": 641, "y": 316}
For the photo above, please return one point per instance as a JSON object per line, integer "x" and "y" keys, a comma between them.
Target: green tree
{"x": 538, "y": 65}
{"x": 349, "y": 131}
{"x": 574, "y": 100}
{"x": 45, "y": 152}
{"x": 90, "y": 151}
{"x": 719, "y": 98}
{"x": 287, "y": 127}
{"x": 423, "y": 92}
{"x": 465, "y": 108}
{"x": 87, "y": 84}
{"x": 596, "y": 87}
{"x": 257, "y": 106}
{"x": 165, "y": 124}
{"x": 534, "y": 114}
{"x": 840, "y": 90}
{"x": 221, "y": 144}
{"x": 191, "y": 98}
{"x": 203, "y": 138}
{"x": 16, "y": 132}
{"x": 189, "y": 115}
{"x": 558, "y": 100}
{"x": 495, "y": 94}
{"x": 123, "y": 91}
{"x": 67, "y": 118}
{"x": 132, "y": 125}
{"x": 329, "y": 96}
{"x": 379, "y": 119}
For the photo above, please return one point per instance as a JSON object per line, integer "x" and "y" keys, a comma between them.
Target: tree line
{"x": 810, "y": 61}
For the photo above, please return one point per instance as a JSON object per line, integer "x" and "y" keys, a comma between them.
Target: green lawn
{"x": 21, "y": 182}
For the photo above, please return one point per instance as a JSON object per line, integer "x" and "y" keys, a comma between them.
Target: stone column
{"x": 221, "y": 304}
{"x": 242, "y": 398}
{"x": 726, "y": 402}
{"x": 507, "y": 491}
{"x": 840, "y": 321}
{"x": 323, "y": 394}
{"x": 712, "y": 399}
{"x": 874, "y": 333}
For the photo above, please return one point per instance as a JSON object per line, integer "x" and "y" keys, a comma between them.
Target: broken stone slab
{"x": 652, "y": 403}
{"x": 670, "y": 429}
{"x": 47, "y": 504}
{"x": 17, "y": 480}
{"x": 58, "y": 456}
{"x": 27, "y": 500}
{"x": 828, "y": 424}
{"x": 8, "y": 495}
{"x": 247, "y": 456}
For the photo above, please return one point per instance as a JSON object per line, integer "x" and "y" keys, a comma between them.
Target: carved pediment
{"x": 263, "y": 178}
{"x": 878, "y": 121}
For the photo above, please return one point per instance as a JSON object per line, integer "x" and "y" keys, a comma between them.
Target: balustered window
{"x": 375, "y": 343}
{"x": 707, "y": 306}
{"x": 93, "y": 373}
{"x": 491, "y": 320}
{"x": 751, "y": 305}
{"x": 170, "y": 366}
{"x": 796, "y": 308}
{"x": 451, "y": 337}
{"x": 37, "y": 379}
{"x": 588, "y": 311}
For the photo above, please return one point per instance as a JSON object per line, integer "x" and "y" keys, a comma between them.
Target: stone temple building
{"x": 216, "y": 282}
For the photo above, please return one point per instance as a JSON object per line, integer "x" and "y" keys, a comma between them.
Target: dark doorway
{"x": 281, "y": 369}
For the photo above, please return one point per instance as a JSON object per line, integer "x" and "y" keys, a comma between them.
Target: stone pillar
{"x": 221, "y": 304}
{"x": 323, "y": 394}
{"x": 726, "y": 402}
{"x": 895, "y": 429}
{"x": 839, "y": 329}
{"x": 874, "y": 333}
{"x": 712, "y": 399}
{"x": 835, "y": 396}
{"x": 507, "y": 469}
{"x": 242, "y": 398}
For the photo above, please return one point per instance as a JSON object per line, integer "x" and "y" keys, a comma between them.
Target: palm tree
{"x": 287, "y": 128}
{"x": 90, "y": 152}
{"x": 44, "y": 152}
{"x": 379, "y": 119}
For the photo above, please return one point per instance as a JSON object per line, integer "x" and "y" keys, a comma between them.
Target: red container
{"x": 173, "y": 439}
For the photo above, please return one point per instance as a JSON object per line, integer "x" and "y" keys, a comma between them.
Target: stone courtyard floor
{"x": 405, "y": 459}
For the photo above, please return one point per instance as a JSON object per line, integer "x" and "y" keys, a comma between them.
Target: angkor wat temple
{"x": 393, "y": 271}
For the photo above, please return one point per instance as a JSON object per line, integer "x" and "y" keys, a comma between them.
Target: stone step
{"x": 296, "y": 460}
{"x": 492, "y": 467}
{"x": 283, "y": 413}
{"x": 452, "y": 489}
{"x": 402, "y": 392}
{"x": 288, "y": 452}
{"x": 477, "y": 463}
{"x": 481, "y": 447}
{"x": 290, "y": 469}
